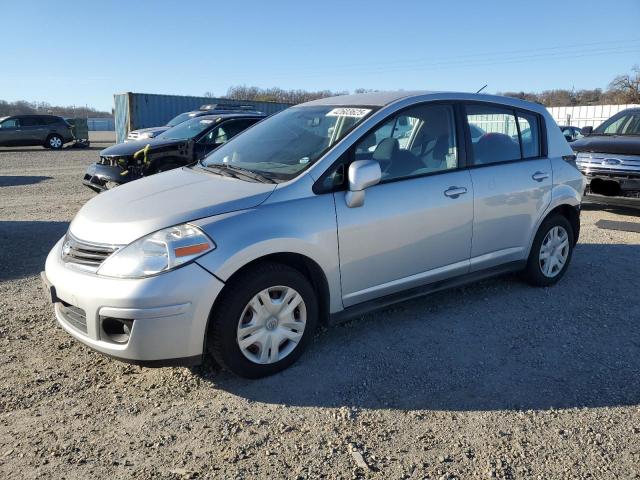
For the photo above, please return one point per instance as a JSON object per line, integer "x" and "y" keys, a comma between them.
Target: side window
{"x": 235, "y": 127}
{"x": 216, "y": 136}
{"x": 499, "y": 142}
{"x": 11, "y": 123}
{"x": 225, "y": 132}
{"x": 30, "y": 122}
{"x": 577, "y": 134}
{"x": 617, "y": 125}
{"x": 418, "y": 141}
{"x": 529, "y": 134}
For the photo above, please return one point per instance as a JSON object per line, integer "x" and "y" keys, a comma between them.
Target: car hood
{"x": 156, "y": 130}
{"x": 129, "y": 148}
{"x": 621, "y": 144}
{"x": 130, "y": 211}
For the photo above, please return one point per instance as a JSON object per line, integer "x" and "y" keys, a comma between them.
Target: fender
{"x": 307, "y": 229}
{"x": 560, "y": 195}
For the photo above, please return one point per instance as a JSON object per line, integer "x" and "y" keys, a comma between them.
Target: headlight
{"x": 158, "y": 252}
{"x": 146, "y": 135}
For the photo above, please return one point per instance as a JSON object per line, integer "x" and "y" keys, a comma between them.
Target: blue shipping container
{"x": 143, "y": 110}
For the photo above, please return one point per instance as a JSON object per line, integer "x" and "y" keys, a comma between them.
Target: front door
{"x": 512, "y": 180}
{"x": 415, "y": 226}
{"x": 10, "y": 132}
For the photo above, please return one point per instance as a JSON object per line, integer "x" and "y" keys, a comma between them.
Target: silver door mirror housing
{"x": 362, "y": 174}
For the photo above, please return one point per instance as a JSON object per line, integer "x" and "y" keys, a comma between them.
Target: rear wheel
{"x": 550, "y": 253}
{"x": 264, "y": 321}
{"x": 54, "y": 142}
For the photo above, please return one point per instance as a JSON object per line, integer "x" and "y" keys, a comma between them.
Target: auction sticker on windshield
{"x": 348, "y": 112}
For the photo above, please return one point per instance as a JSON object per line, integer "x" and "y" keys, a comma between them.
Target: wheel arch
{"x": 568, "y": 208}
{"x": 302, "y": 263}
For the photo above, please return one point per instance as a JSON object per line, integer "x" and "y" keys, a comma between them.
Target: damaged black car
{"x": 179, "y": 146}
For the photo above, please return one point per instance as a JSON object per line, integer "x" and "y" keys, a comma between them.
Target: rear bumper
{"x": 168, "y": 313}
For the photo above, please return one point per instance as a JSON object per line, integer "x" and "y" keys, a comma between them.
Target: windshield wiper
{"x": 248, "y": 173}
{"x": 217, "y": 170}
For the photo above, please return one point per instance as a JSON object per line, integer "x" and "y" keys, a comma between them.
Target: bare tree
{"x": 22, "y": 107}
{"x": 626, "y": 88}
{"x": 276, "y": 94}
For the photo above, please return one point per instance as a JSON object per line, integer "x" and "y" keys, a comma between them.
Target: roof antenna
{"x": 485, "y": 86}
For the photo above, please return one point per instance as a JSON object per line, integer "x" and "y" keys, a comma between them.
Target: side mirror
{"x": 362, "y": 174}
{"x": 586, "y": 130}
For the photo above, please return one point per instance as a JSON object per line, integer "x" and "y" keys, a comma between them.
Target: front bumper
{"x": 621, "y": 169}
{"x": 97, "y": 176}
{"x": 170, "y": 311}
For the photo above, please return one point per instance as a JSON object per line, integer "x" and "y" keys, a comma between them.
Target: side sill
{"x": 416, "y": 292}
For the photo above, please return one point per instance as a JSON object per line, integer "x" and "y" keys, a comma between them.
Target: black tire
{"x": 54, "y": 142}
{"x": 533, "y": 272}
{"x": 223, "y": 322}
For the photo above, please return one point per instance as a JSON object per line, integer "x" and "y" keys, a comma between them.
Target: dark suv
{"x": 609, "y": 156}
{"x": 27, "y": 130}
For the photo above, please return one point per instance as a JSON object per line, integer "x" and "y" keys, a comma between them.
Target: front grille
{"x": 109, "y": 161}
{"x": 84, "y": 253}
{"x": 608, "y": 163}
{"x": 74, "y": 316}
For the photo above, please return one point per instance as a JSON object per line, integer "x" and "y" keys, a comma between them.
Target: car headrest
{"x": 495, "y": 147}
{"x": 386, "y": 149}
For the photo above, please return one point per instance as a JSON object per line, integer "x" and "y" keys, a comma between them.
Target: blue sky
{"x": 83, "y": 52}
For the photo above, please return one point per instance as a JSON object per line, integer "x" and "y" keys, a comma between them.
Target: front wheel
{"x": 264, "y": 321}
{"x": 550, "y": 253}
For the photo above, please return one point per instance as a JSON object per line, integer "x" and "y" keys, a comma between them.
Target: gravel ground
{"x": 497, "y": 379}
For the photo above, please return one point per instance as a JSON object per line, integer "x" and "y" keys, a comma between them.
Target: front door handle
{"x": 540, "y": 176}
{"x": 455, "y": 192}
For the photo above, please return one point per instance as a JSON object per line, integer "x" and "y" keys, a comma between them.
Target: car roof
{"x": 204, "y": 113}
{"x": 226, "y": 116}
{"x": 382, "y": 99}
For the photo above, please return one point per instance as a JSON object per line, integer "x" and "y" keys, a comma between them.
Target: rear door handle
{"x": 455, "y": 192}
{"x": 540, "y": 176}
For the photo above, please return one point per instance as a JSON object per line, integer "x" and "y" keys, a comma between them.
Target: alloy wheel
{"x": 55, "y": 142}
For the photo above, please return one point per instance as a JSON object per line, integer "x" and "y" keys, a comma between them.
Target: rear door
{"x": 512, "y": 180}
{"x": 10, "y": 132}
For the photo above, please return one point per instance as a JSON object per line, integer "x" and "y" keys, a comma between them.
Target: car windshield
{"x": 625, "y": 124}
{"x": 282, "y": 146}
{"x": 189, "y": 129}
{"x": 179, "y": 119}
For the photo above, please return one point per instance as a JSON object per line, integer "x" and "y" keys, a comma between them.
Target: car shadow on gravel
{"x": 24, "y": 246}
{"x": 19, "y": 180}
{"x": 496, "y": 345}
{"x": 620, "y": 206}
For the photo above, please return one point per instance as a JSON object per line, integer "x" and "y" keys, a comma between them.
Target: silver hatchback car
{"x": 321, "y": 212}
